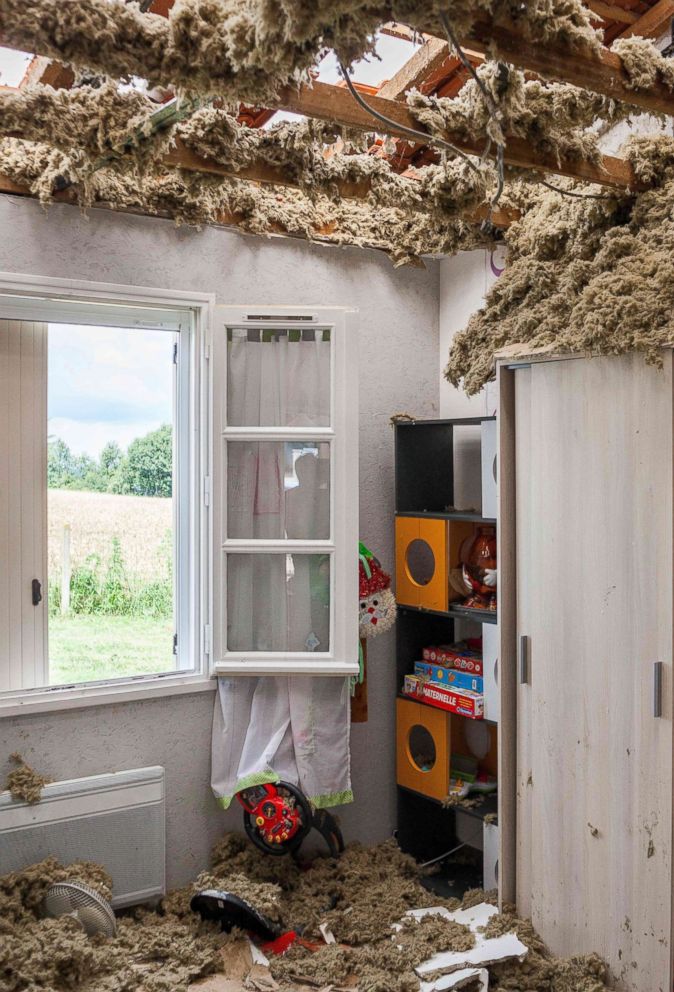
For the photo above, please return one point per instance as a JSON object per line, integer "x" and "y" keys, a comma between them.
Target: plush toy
{"x": 377, "y": 605}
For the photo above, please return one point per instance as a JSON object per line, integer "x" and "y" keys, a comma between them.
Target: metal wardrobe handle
{"x": 657, "y": 689}
{"x": 524, "y": 659}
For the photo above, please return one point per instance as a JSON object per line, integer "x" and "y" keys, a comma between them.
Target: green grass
{"x": 88, "y": 648}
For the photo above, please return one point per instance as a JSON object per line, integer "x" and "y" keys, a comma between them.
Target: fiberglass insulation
{"x": 583, "y": 275}
{"x": 168, "y": 949}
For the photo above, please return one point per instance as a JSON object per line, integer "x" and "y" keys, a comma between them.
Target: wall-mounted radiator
{"x": 116, "y": 820}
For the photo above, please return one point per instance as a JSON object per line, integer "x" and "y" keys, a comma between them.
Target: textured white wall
{"x": 398, "y": 370}
{"x": 464, "y": 282}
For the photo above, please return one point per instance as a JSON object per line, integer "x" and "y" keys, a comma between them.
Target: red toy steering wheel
{"x": 277, "y": 817}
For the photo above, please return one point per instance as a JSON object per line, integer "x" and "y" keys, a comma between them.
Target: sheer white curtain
{"x": 292, "y": 727}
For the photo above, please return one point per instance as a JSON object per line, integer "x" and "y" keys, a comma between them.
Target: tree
{"x": 60, "y": 464}
{"x": 147, "y": 469}
{"x": 111, "y": 458}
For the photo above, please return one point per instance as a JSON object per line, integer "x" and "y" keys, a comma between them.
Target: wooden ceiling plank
{"x": 42, "y": 70}
{"x": 600, "y": 72}
{"x": 227, "y": 219}
{"x": 396, "y": 30}
{"x": 331, "y": 103}
{"x": 611, "y": 12}
{"x": 425, "y": 61}
{"x": 654, "y": 23}
{"x": 184, "y": 158}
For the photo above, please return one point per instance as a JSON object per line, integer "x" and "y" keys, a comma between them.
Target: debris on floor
{"x": 390, "y": 934}
{"x": 23, "y": 782}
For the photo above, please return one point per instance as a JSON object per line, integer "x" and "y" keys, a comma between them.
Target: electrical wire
{"x": 493, "y": 110}
{"x": 441, "y": 857}
{"x": 427, "y": 139}
{"x": 467, "y": 64}
{"x": 492, "y": 107}
{"x": 578, "y": 196}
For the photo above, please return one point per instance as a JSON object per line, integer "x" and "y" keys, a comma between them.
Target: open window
{"x": 285, "y": 492}
{"x": 102, "y": 463}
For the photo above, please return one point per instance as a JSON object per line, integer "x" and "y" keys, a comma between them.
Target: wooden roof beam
{"x": 331, "y": 103}
{"x": 654, "y": 23}
{"x": 425, "y": 61}
{"x": 611, "y": 12}
{"x": 394, "y": 29}
{"x": 182, "y": 157}
{"x": 226, "y": 219}
{"x": 601, "y": 72}
{"x": 42, "y": 70}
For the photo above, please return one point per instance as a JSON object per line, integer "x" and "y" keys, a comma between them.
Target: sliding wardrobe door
{"x": 594, "y": 558}
{"x": 524, "y": 516}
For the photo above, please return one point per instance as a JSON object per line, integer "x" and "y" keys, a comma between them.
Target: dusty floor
{"x": 358, "y": 897}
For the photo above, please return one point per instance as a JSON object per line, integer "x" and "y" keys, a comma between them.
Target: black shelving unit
{"x": 424, "y": 486}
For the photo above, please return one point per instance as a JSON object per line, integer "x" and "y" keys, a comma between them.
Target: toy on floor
{"x": 278, "y": 817}
{"x": 232, "y": 912}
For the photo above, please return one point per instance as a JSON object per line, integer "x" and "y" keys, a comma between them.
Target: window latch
{"x": 36, "y": 588}
{"x": 175, "y": 644}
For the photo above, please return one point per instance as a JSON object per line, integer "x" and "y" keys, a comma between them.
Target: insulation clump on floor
{"x": 584, "y": 275}
{"x": 364, "y": 899}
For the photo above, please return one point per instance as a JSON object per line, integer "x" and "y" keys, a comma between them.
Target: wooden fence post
{"x": 65, "y": 570}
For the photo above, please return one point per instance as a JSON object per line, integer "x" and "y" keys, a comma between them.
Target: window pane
{"x": 278, "y": 489}
{"x": 110, "y": 502}
{"x": 278, "y": 378}
{"x": 278, "y": 602}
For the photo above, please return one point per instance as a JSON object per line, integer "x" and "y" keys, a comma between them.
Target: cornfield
{"x": 142, "y": 525}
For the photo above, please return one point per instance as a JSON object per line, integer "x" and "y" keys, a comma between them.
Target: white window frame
{"x": 342, "y": 434}
{"x": 50, "y": 296}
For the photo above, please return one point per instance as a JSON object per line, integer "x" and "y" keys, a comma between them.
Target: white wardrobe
{"x": 586, "y": 464}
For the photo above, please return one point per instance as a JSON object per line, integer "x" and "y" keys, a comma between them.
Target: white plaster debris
{"x": 458, "y": 980}
{"x": 466, "y": 967}
{"x": 257, "y": 955}
{"x": 474, "y": 918}
{"x": 327, "y": 934}
{"x": 486, "y": 951}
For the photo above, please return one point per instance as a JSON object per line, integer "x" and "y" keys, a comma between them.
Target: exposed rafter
{"x": 600, "y": 72}
{"x": 324, "y": 233}
{"x": 183, "y": 158}
{"x": 332, "y": 103}
{"x": 43, "y": 70}
{"x": 426, "y": 60}
{"x": 653, "y": 23}
{"x": 611, "y": 12}
{"x": 69, "y": 197}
